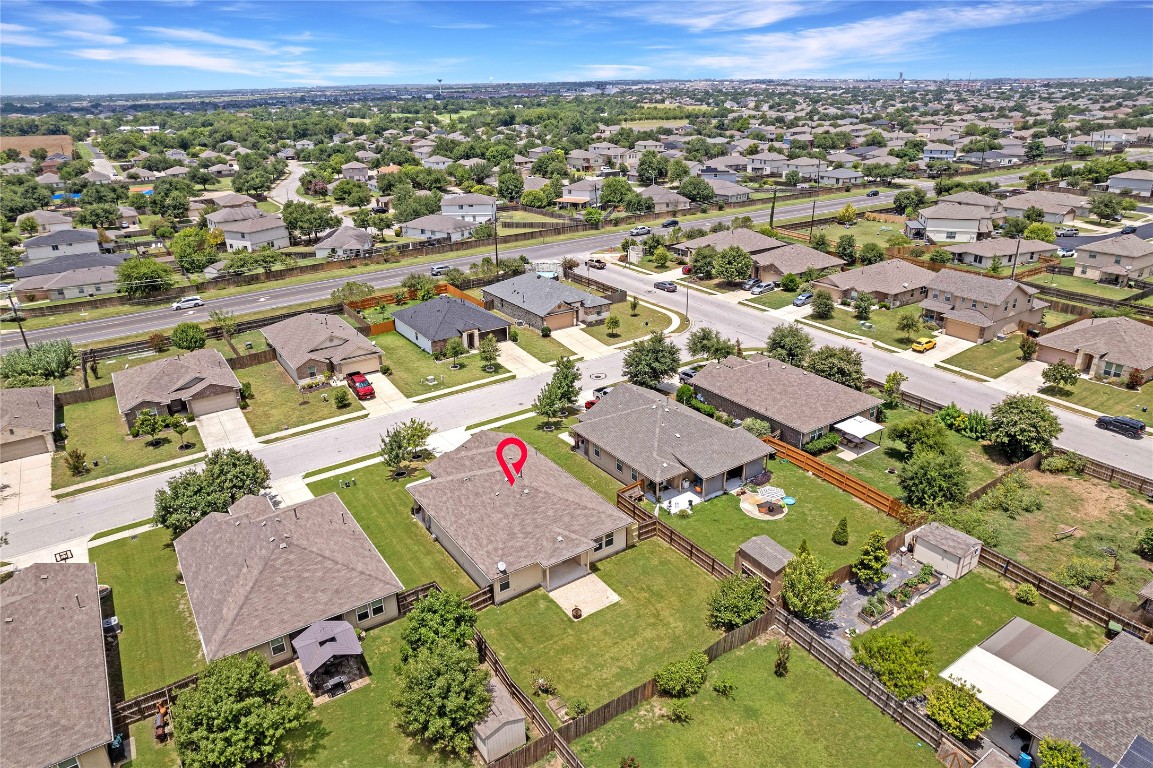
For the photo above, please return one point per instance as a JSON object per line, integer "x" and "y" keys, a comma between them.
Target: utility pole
{"x": 773, "y": 208}
{"x": 816, "y": 194}
{"x": 496, "y": 236}
{"x": 1016, "y": 253}
{"x": 19, "y": 320}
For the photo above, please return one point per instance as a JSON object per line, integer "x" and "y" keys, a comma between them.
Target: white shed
{"x": 503, "y": 729}
{"x": 946, "y": 549}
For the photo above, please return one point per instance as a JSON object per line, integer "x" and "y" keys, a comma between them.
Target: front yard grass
{"x": 411, "y": 365}
{"x": 276, "y": 403}
{"x": 884, "y": 325}
{"x": 545, "y": 350}
{"x": 98, "y": 429}
{"x": 531, "y": 430}
{"x": 1081, "y": 285}
{"x": 633, "y": 326}
{"x": 768, "y": 721}
{"x": 993, "y": 358}
{"x": 774, "y": 299}
{"x": 720, "y": 526}
{"x": 383, "y": 508}
{"x": 159, "y": 644}
{"x": 1107, "y": 398}
{"x": 965, "y": 612}
{"x": 660, "y": 617}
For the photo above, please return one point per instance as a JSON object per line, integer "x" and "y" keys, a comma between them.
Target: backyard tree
{"x": 28, "y": 226}
{"x": 954, "y": 705}
{"x": 225, "y": 321}
{"x": 940, "y": 256}
{"x": 933, "y": 480}
{"x": 1060, "y": 374}
{"x": 438, "y": 617}
{"x": 697, "y": 190}
{"x": 846, "y": 248}
{"x": 189, "y": 336}
{"x": 566, "y": 381}
{"x": 489, "y": 351}
{"x": 612, "y": 325}
{"x": 789, "y": 344}
{"x": 820, "y": 241}
{"x": 839, "y": 364}
{"x": 863, "y": 306}
{"x": 195, "y": 248}
{"x": 841, "y": 532}
{"x": 352, "y": 291}
{"x": 792, "y": 178}
{"x": 871, "y": 253}
{"x": 733, "y": 264}
{"x": 1028, "y": 346}
{"x": 707, "y": 342}
{"x": 442, "y": 694}
{"x": 847, "y": 214}
{"x": 869, "y": 568}
{"x": 1059, "y": 753}
{"x": 790, "y": 282}
{"x": 593, "y": 216}
{"x": 822, "y": 305}
{"x": 138, "y": 277}
{"x": 1145, "y": 544}
{"x": 1033, "y": 214}
{"x": 902, "y": 662}
{"x": 807, "y": 591}
{"x": 1022, "y": 425}
{"x": 239, "y": 712}
{"x": 921, "y": 430}
{"x": 737, "y": 600}
{"x": 454, "y": 348}
{"x": 419, "y": 285}
{"x": 1014, "y": 226}
{"x": 650, "y": 361}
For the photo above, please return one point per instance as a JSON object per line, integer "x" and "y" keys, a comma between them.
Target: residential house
{"x": 951, "y": 222}
{"x": 750, "y": 241}
{"x": 176, "y": 172}
{"x": 840, "y": 176}
{"x": 646, "y": 144}
{"x": 344, "y": 242}
{"x": 1011, "y": 252}
{"x": 96, "y": 177}
{"x": 992, "y": 158}
{"x": 51, "y": 180}
{"x": 895, "y": 282}
{"x": 1115, "y": 260}
{"x": 356, "y": 171}
{"x": 198, "y": 383}
{"x": 1140, "y": 183}
{"x": 61, "y": 242}
{"x": 74, "y": 283}
{"x": 259, "y": 576}
{"x": 27, "y": 421}
{"x": 580, "y": 160}
{"x": 255, "y": 233}
{"x": 544, "y": 530}
{"x": 638, "y": 435}
{"x": 221, "y": 170}
{"x": 227, "y": 200}
{"x": 538, "y": 301}
{"x": 17, "y": 168}
{"x": 436, "y": 162}
{"x": 47, "y": 221}
{"x": 935, "y": 151}
{"x": 807, "y": 167}
{"x": 469, "y": 207}
{"x": 430, "y": 324}
{"x": 992, "y": 205}
{"x": 1059, "y": 207}
{"x": 582, "y": 192}
{"x": 793, "y": 258}
{"x": 312, "y": 345}
{"x": 710, "y": 172}
{"x": 664, "y": 199}
{"x": 978, "y": 308}
{"x": 1102, "y": 347}
{"x": 54, "y": 689}
{"x": 727, "y": 192}
{"x": 798, "y": 405}
{"x": 439, "y": 227}
{"x": 766, "y": 164}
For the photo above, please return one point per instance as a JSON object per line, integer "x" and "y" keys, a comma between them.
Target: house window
{"x": 277, "y": 646}
{"x": 71, "y": 762}
{"x": 596, "y": 451}
{"x": 1014, "y": 303}
{"x": 1084, "y": 270}
{"x": 55, "y": 247}
{"x": 603, "y": 542}
{"x": 503, "y": 585}
{"x": 620, "y": 467}
{"x": 950, "y": 235}
{"x": 634, "y": 475}
{"x": 366, "y": 612}
{"x": 925, "y": 290}
{"x": 974, "y": 304}
{"x": 1116, "y": 259}
{"x": 948, "y": 297}
{"x": 1113, "y": 369}
{"x": 1092, "y": 255}
{"x": 311, "y": 371}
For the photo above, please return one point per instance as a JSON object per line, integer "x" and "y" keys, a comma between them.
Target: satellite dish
{"x": 501, "y": 566}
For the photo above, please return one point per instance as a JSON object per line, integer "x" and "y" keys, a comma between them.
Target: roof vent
{"x": 238, "y": 522}
{"x": 7, "y": 619}
{"x": 560, "y": 538}
{"x": 44, "y": 577}
{"x": 263, "y": 523}
{"x": 284, "y": 546}
{"x": 501, "y": 566}
{"x": 677, "y": 435}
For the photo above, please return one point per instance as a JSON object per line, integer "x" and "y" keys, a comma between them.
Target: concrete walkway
{"x": 520, "y": 362}
{"x": 226, "y": 429}
{"x": 582, "y": 344}
{"x": 1025, "y": 380}
{"x": 25, "y": 484}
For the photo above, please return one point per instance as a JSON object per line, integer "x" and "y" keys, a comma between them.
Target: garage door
{"x": 561, "y": 320}
{"x": 363, "y": 365}
{"x": 205, "y": 405}
{"x": 962, "y": 330}
{"x": 22, "y": 449}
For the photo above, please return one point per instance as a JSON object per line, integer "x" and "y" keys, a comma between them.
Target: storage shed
{"x": 946, "y": 549}
{"x": 766, "y": 558}
{"x": 503, "y": 729}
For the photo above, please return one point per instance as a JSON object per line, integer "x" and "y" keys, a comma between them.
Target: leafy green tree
{"x": 841, "y": 532}
{"x": 758, "y": 427}
{"x": 820, "y": 241}
{"x": 352, "y": 291}
{"x": 940, "y": 256}
{"x": 510, "y": 186}
{"x": 28, "y": 226}
{"x": 902, "y": 662}
{"x": 194, "y": 248}
{"x": 863, "y": 306}
{"x": 228, "y": 475}
{"x": 566, "y": 381}
{"x": 239, "y": 712}
{"x": 871, "y": 253}
{"x": 306, "y": 219}
{"x": 790, "y": 282}
{"x": 1034, "y": 151}
{"x": 891, "y": 391}
{"x": 933, "y": 480}
{"x": 847, "y": 214}
{"x": 612, "y": 324}
{"x": 846, "y": 248}
{"x": 840, "y": 364}
{"x": 707, "y": 342}
{"x": 683, "y": 677}
{"x": 189, "y": 336}
{"x": 1040, "y": 231}
{"x": 792, "y": 178}
{"x": 704, "y": 261}
{"x": 1105, "y": 206}
{"x": 1061, "y": 375}
{"x": 789, "y": 344}
{"x": 806, "y": 589}
{"x": 44, "y": 360}
{"x": 1022, "y": 425}
{"x": 593, "y": 216}
{"x": 225, "y": 320}
{"x": 661, "y": 257}
{"x": 697, "y": 190}
{"x": 652, "y": 360}
{"x": 822, "y": 306}
{"x": 909, "y": 201}
{"x": 148, "y": 423}
{"x": 908, "y": 323}
{"x": 1028, "y": 346}
{"x": 180, "y": 427}
{"x": 954, "y": 705}
{"x": 1033, "y": 214}
{"x": 1059, "y": 753}
{"x": 489, "y": 351}
{"x": 548, "y": 404}
{"x": 921, "y": 431}
{"x": 1145, "y": 544}
{"x": 442, "y": 693}
{"x": 140, "y": 277}
{"x": 400, "y": 444}
{"x": 438, "y": 617}
{"x": 737, "y": 600}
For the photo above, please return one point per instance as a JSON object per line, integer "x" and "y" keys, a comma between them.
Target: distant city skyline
{"x": 95, "y": 47}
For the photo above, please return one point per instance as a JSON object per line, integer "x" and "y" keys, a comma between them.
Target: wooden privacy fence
{"x": 1033, "y": 462}
{"x": 1111, "y": 474}
{"x": 649, "y": 527}
{"x": 409, "y": 598}
{"x": 85, "y": 395}
{"x": 916, "y": 402}
{"x": 143, "y": 707}
{"x": 1095, "y": 301}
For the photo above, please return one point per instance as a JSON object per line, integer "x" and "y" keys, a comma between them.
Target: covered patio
{"x": 330, "y": 658}
{"x": 855, "y": 433}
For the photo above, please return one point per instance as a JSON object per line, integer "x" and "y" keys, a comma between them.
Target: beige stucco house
{"x": 313, "y": 345}
{"x": 27, "y": 420}
{"x": 978, "y": 308}
{"x": 894, "y": 281}
{"x": 197, "y": 383}
{"x": 1115, "y": 260}
{"x": 951, "y": 222}
{"x": 1011, "y": 252}
{"x": 1104, "y": 347}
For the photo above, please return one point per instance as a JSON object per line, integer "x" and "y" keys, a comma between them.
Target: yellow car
{"x": 924, "y": 345}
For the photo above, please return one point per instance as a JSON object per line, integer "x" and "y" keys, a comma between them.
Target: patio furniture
{"x": 1064, "y": 534}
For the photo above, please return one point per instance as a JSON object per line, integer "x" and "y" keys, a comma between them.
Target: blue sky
{"x": 164, "y": 45}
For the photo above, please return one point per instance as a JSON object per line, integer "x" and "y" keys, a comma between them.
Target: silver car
{"x": 188, "y": 302}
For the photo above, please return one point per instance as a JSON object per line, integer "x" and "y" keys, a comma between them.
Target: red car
{"x": 687, "y": 269}
{"x": 360, "y": 386}
{"x": 590, "y": 403}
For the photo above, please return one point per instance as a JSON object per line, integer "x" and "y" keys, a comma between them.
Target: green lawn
{"x": 775, "y": 299}
{"x": 967, "y": 611}
{"x": 545, "y": 350}
{"x": 277, "y": 404}
{"x": 862, "y": 231}
{"x": 383, "y": 508}
{"x": 660, "y": 617}
{"x": 269, "y": 206}
{"x": 645, "y": 321}
{"x": 982, "y": 462}
{"x": 159, "y": 644}
{"x": 884, "y": 322}
{"x": 1081, "y": 285}
{"x": 720, "y": 526}
{"x": 531, "y": 430}
{"x": 98, "y": 429}
{"x": 150, "y": 753}
{"x": 1051, "y": 318}
{"x": 810, "y": 718}
{"x": 411, "y": 366}
{"x": 993, "y": 358}
{"x": 1114, "y": 400}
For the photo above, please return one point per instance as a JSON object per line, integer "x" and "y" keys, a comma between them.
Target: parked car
{"x": 596, "y": 263}
{"x": 670, "y": 224}
{"x": 803, "y": 299}
{"x": 125, "y": 225}
{"x": 1123, "y": 424}
{"x": 748, "y": 284}
{"x": 1063, "y": 252}
{"x": 687, "y": 269}
{"x": 360, "y": 386}
{"x": 1129, "y": 230}
{"x": 667, "y": 286}
{"x": 873, "y": 193}
{"x": 1067, "y": 232}
{"x": 641, "y": 230}
{"x": 590, "y": 403}
{"x": 762, "y": 287}
{"x": 439, "y": 269}
{"x": 924, "y": 344}
{"x": 600, "y": 392}
{"x": 5, "y": 287}
{"x": 188, "y": 302}
{"x": 686, "y": 374}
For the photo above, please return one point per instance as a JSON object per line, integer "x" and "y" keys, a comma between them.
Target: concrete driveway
{"x": 947, "y": 346}
{"x": 520, "y": 362}
{"x": 226, "y": 429}
{"x": 25, "y": 484}
{"x": 582, "y": 344}
{"x": 388, "y": 398}
{"x": 1025, "y": 380}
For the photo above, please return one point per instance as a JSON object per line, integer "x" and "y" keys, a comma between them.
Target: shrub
{"x": 678, "y": 712}
{"x": 1083, "y": 571}
{"x": 1028, "y": 346}
{"x": 542, "y": 684}
{"x": 900, "y": 661}
{"x": 545, "y": 331}
{"x": 189, "y": 336}
{"x": 1027, "y": 594}
{"x": 683, "y": 678}
{"x": 784, "y": 651}
{"x": 737, "y": 600}
{"x": 1058, "y": 753}
{"x": 956, "y": 708}
{"x": 790, "y": 282}
{"x": 341, "y": 397}
{"x": 578, "y": 707}
{"x": 825, "y": 442}
{"x": 724, "y": 686}
{"x": 1145, "y": 544}
{"x": 77, "y": 462}
{"x": 1013, "y": 498}
{"x": 46, "y": 359}
{"x": 1134, "y": 380}
{"x": 158, "y": 342}
{"x": 246, "y": 390}
{"x": 1064, "y": 463}
{"x": 875, "y": 606}
{"x": 685, "y": 394}
{"x": 841, "y": 534}
{"x": 385, "y": 370}
{"x": 757, "y": 427}
{"x": 513, "y": 335}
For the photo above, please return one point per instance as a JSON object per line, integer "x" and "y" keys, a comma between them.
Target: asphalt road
{"x": 1144, "y": 231}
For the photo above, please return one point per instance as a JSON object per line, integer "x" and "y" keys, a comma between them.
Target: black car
{"x": 671, "y": 223}
{"x": 1123, "y": 424}
{"x": 665, "y": 285}
{"x": 1129, "y": 230}
{"x": 873, "y": 193}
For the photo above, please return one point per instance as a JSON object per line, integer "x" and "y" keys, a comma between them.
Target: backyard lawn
{"x": 277, "y": 404}
{"x": 807, "y": 719}
{"x": 1082, "y": 285}
{"x": 545, "y": 350}
{"x": 646, "y": 320}
{"x": 965, "y": 612}
{"x": 531, "y": 430}
{"x": 98, "y": 429}
{"x": 1052, "y": 318}
{"x": 660, "y": 617}
{"x": 383, "y": 508}
{"x": 411, "y": 366}
{"x": 884, "y": 322}
{"x": 159, "y": 643}
{"x": 982, "y": 462}
{"x": 993, "y": 358}
{"x": 720, "y": 526}
{"x": 1106, "y": 398}
{"x": 863, "y": 231}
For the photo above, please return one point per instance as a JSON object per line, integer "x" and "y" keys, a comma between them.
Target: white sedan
{"x": 188, "y": 302}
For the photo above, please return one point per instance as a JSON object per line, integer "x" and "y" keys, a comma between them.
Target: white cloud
{"x": 209, "y": 38}
{"x": 167, "y": 56}
{"x": 94, "y": 38}
{"x": 22, "y": 36}
{"x": 12, "y": 61}
{"x": 606, "y": 72}
{"x": 729, "y": 16}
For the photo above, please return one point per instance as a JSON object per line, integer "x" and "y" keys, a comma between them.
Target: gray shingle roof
{"x": 228, "y": 215}
{"x": 1122, "y": 245}
{"x": 200, "y": 373}
{"x": 63, "y": 237}
{"x": 796, "y": 258}
{"x": 888, "y": 277}
{"x": 258, "y": 573}
{"x": 70, "y": 261}
{"x": 445, "y": 317}
{"x": 313, "y": 336}
{"x": 547, "y": 517}
{"x": 948, "y": 539}
{"x": 1117, "y": 339}
{"x": 662, "y": 438}
{"x": 437, "y": 223}
{"x": 54, "y": 679}
{"x": 954, "y": 211}
{"x": 767, "y": 552}
{"x": 346, "y": 237}
{"x": 69, "y": 278}
{"x": 256, "y": 224}
{"x": 752, "y": 242}
{"x": 28, "y": 408}
{"x": 469, "y": 198}
{"x": 540, "y": 295}
{"x": 972, "y": 286}
{"x": 1002, "y": 246}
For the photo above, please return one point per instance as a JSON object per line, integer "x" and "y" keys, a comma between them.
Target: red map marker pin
{"x": 510, "y": 473}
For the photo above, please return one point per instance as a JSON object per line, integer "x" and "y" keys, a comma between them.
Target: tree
{"x": 733, "y": 264}
{"x": 400, "y": 444}
{"x": 566, "y": 381}
{"x": 908, "y": 323}
{"x": 697, "y": 190}
{"x": 1060, "y": 374}
{"x": 1040, "y": 231}
{"x": 228, "y": 475}
{"x": 847, "y": 215}
{"x": 1034, "y": 151}
{"x": 863, "y": 306}
{"x": 224, "y": 320}
{"x": 678, "y": 170}
{"x": 869, "y": 568}
{"x": 909, "y": 201}
{"x": 933, "y": 480}
{"x": 839, "y": 364}
{"x": 420, "y": 285}
{"x": 820, "y": 241}
{"x": 189, "y": 336}
{"x": 307, "y": 219}
{"x": 510, "y": 186}
{"x": 442, "y": 694}
{"x": 823, "y": 306}
{"x": 891, "y": 390}
{"x": 1033, "y": 214}
{"x": 761, "y": 428}
{"x": 489, "y": 351}
{"x": 846, "y": 248}
{"x": 1028, "y": 346}
{"x": 238, "y": 712}
{"x": 195, "y": 248}
{"x": 28, "y": 225}
{"x": 704, "y": 260}
{"x": 954, "y": 705}
{"x": 661, "y": 257}
{"x": 438, "y": 617}
{"x": 180, "y": 427}
{"x": 902, "y": 662}
{"x": 1034, "y": 179}
{"x": 1059, "y": 753}
{"x": 548, "y": 404}
{"x": 940, "y": 256}
{"x": 454, "y": 349}
{"x": 352, "y": 291}
{"x": 792, "y": 178}
{"x": 652, "y": 360}
{"x": 871, "y": 253}
{"x": 921, "y": 430}
{"x": 1105, "y": 207}
{"x": 140, "y": 277}
{"x": 148, "y": 423}
{"x": 612, "y": 323}
{"x": 841, "y": 532}
{"x": 789, "y": 344}
{"x": 1022, "y": 425}
{"x": 706, "y": 342}
{"x": 790, "y": 282}
{"x": 738, "y": 599}
{"x": 806, "y": 589}
{"x": 593, "y": 216}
